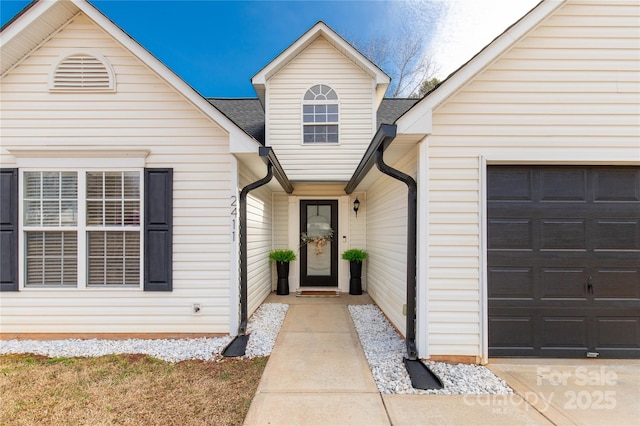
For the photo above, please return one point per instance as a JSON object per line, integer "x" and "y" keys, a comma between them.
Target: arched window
{"x": 81, "y": 71}
{"x": 320, "y": 115}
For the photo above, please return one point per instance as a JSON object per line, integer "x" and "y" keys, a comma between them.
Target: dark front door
{"x": 319, "y": 257}
{"x": 564, "y": 261}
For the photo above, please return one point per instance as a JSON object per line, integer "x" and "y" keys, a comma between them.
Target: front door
{"x": 319, "y": 256}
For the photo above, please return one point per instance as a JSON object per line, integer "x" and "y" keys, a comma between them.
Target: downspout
{"x": 238, "y": 345}
{"x": 242, "y": 329}
{"x": 412, "y": 208}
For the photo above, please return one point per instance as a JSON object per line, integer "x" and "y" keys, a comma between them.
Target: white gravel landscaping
{"x": 263, "y": 325}
{"x": 383, "y": 347}
{"x": 385, "y": 351}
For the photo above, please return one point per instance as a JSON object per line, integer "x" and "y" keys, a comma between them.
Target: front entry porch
{"x": 317, "y": 210}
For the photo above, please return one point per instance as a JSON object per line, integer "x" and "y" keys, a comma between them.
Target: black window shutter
{"x": 8, "y": 229}
{"x": 158, "y": 230}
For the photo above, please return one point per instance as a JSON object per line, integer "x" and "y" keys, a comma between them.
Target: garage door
{"x": 564, "y": 261}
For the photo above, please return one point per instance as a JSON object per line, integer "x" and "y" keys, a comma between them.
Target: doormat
{"x": 317, "y": 293}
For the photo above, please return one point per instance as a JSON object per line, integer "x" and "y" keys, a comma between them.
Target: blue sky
{"x": 217, "y": 46}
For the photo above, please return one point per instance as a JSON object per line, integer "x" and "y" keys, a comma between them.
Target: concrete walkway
{"x": 317, "y": 374}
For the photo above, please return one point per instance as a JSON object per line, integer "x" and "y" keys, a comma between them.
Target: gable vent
{"x": 82, "y": 72}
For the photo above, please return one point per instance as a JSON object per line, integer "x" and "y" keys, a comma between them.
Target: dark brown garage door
{"x": 564, "y": 261}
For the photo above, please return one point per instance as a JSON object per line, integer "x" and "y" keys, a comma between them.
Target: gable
{"x": 574, "y": 74}
{"x": 320, "y": 64}
{"x": 320, "y": 30}
{"x": 40, "y": 20}
{"x": 142, "y": 100}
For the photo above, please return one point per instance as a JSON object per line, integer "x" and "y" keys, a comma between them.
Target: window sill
{"x": 82, "y": 289}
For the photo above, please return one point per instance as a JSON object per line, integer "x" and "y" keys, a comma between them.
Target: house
{"x": 121, "y": 186}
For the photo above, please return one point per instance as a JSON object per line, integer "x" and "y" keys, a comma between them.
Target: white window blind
{"x": 52, "y": 259}
{"x": 113, "y": 203}
{"x": 114, "y": 258}
{"x": 50, "y": 200}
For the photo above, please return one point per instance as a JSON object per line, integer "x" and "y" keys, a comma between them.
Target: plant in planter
{"x": 355, "y": 258}
{"x": 282, "y": 259}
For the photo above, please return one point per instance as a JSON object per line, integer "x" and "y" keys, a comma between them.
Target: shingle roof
{"x": 246, "y": 113}
{"x": 249, "y": 115}
{"x": 392, "y": 108}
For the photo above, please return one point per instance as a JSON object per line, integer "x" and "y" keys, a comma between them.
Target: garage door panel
{"x": 510, "y": 332}
{"x": 511, "y": 185}
{"x": 617, "y": 283}
{"x": 559, "y": 234}
{"x": 511, "y": 283}
{"x": 564, "y": 260}
{"x": 564, "y": 332}
{"x": 512, "y": 234}
{"x": 611, "y": 185}
{"x": 563, "y": 283}
{"x": 617, "y": 234}
{"x": 614, "y": 332}
{"x": 563, "y": 185}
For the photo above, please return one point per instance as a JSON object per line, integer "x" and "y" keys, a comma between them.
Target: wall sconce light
{"x": 356, "y": 206}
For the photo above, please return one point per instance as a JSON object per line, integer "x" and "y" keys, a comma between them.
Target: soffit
{"x": 29, "y": 31}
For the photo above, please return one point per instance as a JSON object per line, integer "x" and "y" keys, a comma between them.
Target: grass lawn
{"x": 125, "y": 390}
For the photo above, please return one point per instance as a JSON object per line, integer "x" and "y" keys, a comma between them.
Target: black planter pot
{"x": 283, "y": 278}
{"x": 355, "y": 283}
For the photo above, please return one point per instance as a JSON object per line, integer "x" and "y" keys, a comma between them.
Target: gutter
{"x": 238, "y": 345}
{"x": 421, "y": 376}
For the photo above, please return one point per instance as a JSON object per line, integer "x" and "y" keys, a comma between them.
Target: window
{"x": 82, "y": 228}
{"x": 320, "y": 115}
{"x": 51, "y": 209}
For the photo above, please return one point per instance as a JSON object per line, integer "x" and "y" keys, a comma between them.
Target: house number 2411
{"x": 234, "y": 215}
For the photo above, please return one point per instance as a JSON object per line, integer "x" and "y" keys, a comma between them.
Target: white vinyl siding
{"x": 320, "y": 63}
{"x": 566, "y": 93}
{"x": 358, "y": 224}
{"x": 281, "y": 221}
{"x": 386, "y": 215}
{"x": 259, "y": 240}
{"x": 147, "y": 114}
